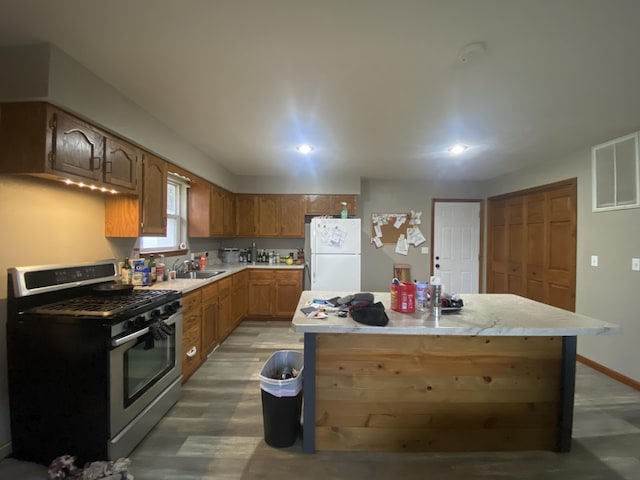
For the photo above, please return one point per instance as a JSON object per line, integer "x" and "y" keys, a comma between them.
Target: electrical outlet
{"x": 635, "y": 264}
{"x": 424, "y": 250}
{"x": 594, "y": 260}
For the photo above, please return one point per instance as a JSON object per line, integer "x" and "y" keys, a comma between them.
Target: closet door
{"x": 532, "y": 244}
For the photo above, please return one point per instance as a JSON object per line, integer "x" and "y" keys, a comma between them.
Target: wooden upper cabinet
{"x": 154, "y": 196}
{"x": 291, "y": 210}
{"x": 318, "y": 204}
{"x": 40, "y": 139}
{"x": 330, "y": 204}
{"x": 146, "y": 214}
{"x": 76, "y": 147}
{"x": 121, "y": 164}
{"x": 229, "y": 212}
{"x": 246, "y": 210}
{"x": 209, "y": 210}
{"x": 267, "y": 216}
{"x": 351, "y": 201}
{"x": 216, "y": 217}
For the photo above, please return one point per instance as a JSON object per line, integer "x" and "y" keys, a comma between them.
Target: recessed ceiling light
{"x": 457, "y": 149}
{"x": 304, "y": 148}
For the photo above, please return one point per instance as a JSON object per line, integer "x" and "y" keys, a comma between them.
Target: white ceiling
{"x": 374, "y": 85}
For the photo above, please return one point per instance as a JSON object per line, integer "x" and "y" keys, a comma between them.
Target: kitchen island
{"x": 497, "y": 375}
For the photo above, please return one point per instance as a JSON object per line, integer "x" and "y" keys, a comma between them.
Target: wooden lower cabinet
{"x": 274, "y": 293}
{"x": 210, "y": 335}
{"x": 225, "y": 312}
{"x": 191, "y": 333}
{"x": 239, "y": 296}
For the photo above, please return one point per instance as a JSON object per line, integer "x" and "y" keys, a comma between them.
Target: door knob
{"x": 437, "y": 257}
{"x": 437, "y": 265}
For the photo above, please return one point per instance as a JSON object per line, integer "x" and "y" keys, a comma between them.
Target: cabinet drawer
{"x": 210, "y": 293}
{"x": 288, "y": 275}
{"x": 261, "y": 275}
{"x": 191, "y": 300}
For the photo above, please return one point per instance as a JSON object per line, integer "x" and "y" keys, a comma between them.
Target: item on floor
{"x": 64, "y": 467}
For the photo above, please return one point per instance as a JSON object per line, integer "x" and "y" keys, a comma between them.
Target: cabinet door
{"x": 291, "y": 215}
{"x": 336, "y": 204}
{"x": 318, "y": 204}
{"x": 217, "y": 211}
{"x": 229, "y": 211}
{"x": 78, "y": 149}
{"x": 225, "y": 319}
{"x": 246, "y": 215}
{"x": 199, "y": 201}
{"x": 287, "y": 292}
{"x": 121, "y": 164}
{"x": 154, "y": 196}
{"x": 261, "y": 288}
{"x": 240, "y": 282}
{"x": 210, "y": 334}
{"x": 268, "y": 215}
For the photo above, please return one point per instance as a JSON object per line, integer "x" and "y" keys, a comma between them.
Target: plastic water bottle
{"x": 436, "y": 293}
{"x": 422, "y": 299}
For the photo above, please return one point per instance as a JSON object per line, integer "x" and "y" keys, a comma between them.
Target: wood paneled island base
{"x": 497, "y": 376}
{"x": 435, "y": 393}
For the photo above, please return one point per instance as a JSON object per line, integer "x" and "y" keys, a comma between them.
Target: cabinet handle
{"x": 108, "y": 167}
{"x": 192, "y": 352}
{"x": 97, "y": 164}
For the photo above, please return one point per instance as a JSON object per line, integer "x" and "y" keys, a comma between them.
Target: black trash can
{"x": 282, "y": 397}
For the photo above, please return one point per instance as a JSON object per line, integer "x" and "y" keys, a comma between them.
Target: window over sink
{"x": 176, "y": 219}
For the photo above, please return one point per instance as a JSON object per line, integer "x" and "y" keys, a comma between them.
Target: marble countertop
{"x": 482, "y": 315}
{"x": 186, "y": 285}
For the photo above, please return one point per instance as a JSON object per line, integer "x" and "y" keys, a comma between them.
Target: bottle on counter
{"x": 436, "y": 294}
{"x": 254, "y": 253}
{"x": 161, "y": 270}
{"x": 126, "y": 275}
{"x": 153, "y": 269}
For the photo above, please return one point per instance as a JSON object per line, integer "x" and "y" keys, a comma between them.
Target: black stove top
{"x": 104, "y": 306}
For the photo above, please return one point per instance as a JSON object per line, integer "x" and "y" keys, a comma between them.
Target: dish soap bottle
{"x": 344, "y": 213}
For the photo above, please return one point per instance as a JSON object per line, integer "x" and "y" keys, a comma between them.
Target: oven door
{"x": 141, "y": 370}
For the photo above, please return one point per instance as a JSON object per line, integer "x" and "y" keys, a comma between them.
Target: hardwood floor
{"x": 216, "y": 431}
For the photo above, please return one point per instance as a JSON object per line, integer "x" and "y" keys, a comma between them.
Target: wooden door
{"x": 78, "y": 149}
{"x": 532, "y": 244}
{"x": 121, "y": 164}
{"x": 154, "y": 196}
{"x": 291, "y": 215}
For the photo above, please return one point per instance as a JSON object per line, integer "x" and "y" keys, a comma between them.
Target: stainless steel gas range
{"x": 92, "y": 365}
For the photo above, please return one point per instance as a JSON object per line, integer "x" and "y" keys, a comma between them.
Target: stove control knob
{"x": 170, "y": 309}
{"x": 139, "y": 321}
{"x": 155, "y": 313}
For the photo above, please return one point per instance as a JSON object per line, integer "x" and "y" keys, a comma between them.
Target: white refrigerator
{"x": 335, "y": 254}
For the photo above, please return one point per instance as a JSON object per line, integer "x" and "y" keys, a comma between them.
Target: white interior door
{"x": 456, "y": 245}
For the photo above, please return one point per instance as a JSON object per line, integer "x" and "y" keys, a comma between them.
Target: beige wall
{"x": 45, "y": 222}
{"x": 608, "y": 292}
{"x": 390, "y": 196}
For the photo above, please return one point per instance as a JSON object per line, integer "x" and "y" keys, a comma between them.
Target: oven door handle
{"x": 139, "y": 333}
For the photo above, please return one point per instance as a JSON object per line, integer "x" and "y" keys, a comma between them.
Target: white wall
{"x": 607, "y": 292}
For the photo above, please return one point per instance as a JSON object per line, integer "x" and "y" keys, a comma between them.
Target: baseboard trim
{"x": 610, "y": 373}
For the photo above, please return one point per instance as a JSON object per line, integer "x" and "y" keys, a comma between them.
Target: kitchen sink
{"x": 199, "y": 275}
